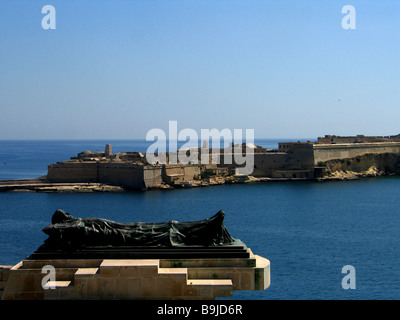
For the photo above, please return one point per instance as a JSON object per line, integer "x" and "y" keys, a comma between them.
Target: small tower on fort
{"x": 108, "y": 150}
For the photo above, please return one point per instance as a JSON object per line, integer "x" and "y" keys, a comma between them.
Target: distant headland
{"x": 328, "y": 158}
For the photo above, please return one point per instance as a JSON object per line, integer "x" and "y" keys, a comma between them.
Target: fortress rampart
{"x": 125, "y": 174}
{"x": 76, "y": 172}
{"x": 325, "y": 152}
{"x": 297, "y": 161}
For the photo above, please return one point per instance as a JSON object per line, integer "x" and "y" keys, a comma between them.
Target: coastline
{"x": 98, "y": 171}
{"x": 41, "y": 185}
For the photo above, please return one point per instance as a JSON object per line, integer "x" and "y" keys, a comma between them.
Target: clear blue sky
{"x": 116, "y": 69}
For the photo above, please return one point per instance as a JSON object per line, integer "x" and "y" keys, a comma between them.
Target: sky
{"x": 115, "y": 69}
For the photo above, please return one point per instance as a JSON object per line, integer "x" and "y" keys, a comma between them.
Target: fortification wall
{"x": 121, "y": 174}
{"x": 191, "y": 172}
{"x": 72, "y": 172}
{"x": 351, "y": 150}
{"x": 266, "y": 163}
{"x": 300, "y": 156}
{"x": 152, "y": 176}
{"x": 173, "y": 169}
{"x": 178, "y": 173}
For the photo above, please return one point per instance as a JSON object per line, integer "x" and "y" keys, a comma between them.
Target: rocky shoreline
{"x": 41, "y": 185}
{"x": 353, "y": 175}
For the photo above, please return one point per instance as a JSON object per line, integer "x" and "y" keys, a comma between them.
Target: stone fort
{"x": 291, "y": 160}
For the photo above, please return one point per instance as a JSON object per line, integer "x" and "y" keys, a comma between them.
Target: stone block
{"x": 90, "y": 289}
{"x": 148, "y": 286}
{"x": 222, "y": 291}
{"x": 189, "y": 290}
{"x": 262, "y": 278}
{"x": 65, "y": 273}
{"x": 29, "y": 280}
{"x": 86, "y": 272}
{"x": 173, "y": 273}
{"x": 128, "y": 288}
{"x": 70, "y": 293}
{"x": 4, "y": 272}
{"x": 56, "y": 284}
{"x": 218, "y": 273}
{"x": 129, "y": 272}
{"x": 210, "y": 288}
{"x": 143, "y": 268}
{"x": 147, "y": 271}
{"x": 169, "y": 287}
{"x": 2, "y": 285}
{"x": 246, "y": 280}
{"x": 109, "y": 271}
{"x": 105, "y": 287}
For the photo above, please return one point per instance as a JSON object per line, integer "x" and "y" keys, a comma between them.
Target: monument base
{"x": 235, "y": 250}
{"x": 162, "y": 279}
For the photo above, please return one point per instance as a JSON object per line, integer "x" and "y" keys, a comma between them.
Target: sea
{"x": 336, "y": 240}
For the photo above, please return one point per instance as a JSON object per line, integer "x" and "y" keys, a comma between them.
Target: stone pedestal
{"x": 174, "y": 279}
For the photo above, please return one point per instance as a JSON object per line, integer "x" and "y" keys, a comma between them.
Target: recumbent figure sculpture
{"x": 66, "y": 231}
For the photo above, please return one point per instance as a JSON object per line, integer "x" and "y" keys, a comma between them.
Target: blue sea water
{"x": 308, "y": 230}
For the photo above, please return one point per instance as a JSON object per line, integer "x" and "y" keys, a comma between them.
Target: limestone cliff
{"x": 368, "y": 165}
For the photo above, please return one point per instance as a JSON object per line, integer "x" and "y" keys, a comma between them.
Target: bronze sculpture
{"x": 66, "y": 231}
